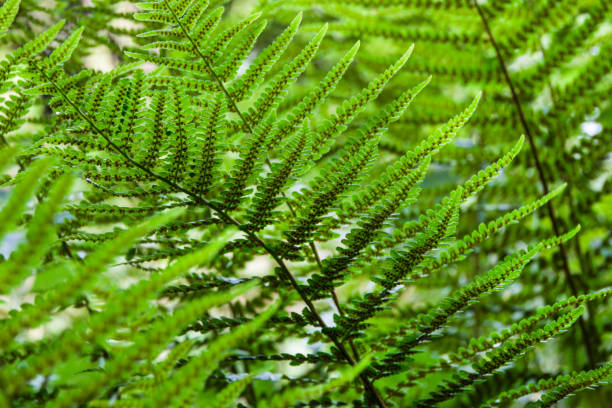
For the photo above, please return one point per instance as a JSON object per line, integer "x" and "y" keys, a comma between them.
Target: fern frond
{"x": 85, "y": 273}
{"x": 401, "y": 194}
{"x": 325, "y": 198}
{"x": 277, "y": 89}
{"x": 230, "y": 393}
{"x": 289, "y": 397}
{"x": 7, "y": 15}
{"x": 500, "y": 356}
{"x": 315, "y": 97}
{"x": 349, "y": 109}
{"x": 264, "y": 61}
{"x": 210, "y": 145}
{"x": 251, "y": 160}
{"x": 563, "y": 385}
{"x": 26, "y": 185}
{"x": 579, "y": 381}
{"x": 39, "y": 236}
{"x": 268, "y": 192}
{"x": 147, "y": 345}
{"x": 465, "y": 245}
{"x": 495, "y": 279}
{"x": 478, "y": 345}
{"x": 180, "y": 389}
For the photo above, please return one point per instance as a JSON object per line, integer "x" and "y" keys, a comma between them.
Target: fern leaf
{"x": 229, "y": 394}
{"x": 403, "y": 193}
{"x": 147, "y": 345}
{"x": 178, "y": 147}
{"x": 495, "y": 279}
{"x": 562, "y": 386}
{"x": 277, "y": 89}
{"x": 214, "y": 129}
{"x": 464, "y": 246}
{"x": 64, "y": 51}
{"x": 26, "y": 184}
{"x": 93, "y": 265}
{"x": 264, "y": 61}
{"x": 40, "y": 233}
{"x": 349, "y": 109}
{"x": 7, "y": 15}
{"x": 478, "y": 345}
{"x": 192, "y": 67}
{"x": 587, "y": 379}
{"x": 366, "y": 198}
{"x": 267, "y": 196}
{"x": 244, "y": 43}
{"x": 325, "y": 199}
{"x": 41, "y": 41}
{"x": 212, "y": 51}
{"x": 499, "y": 357}
{"x": 250, "y": 162}
{"x": 292, "y": 395}
{"x": 315, "y": 97}
{"x": 191, "y": 376}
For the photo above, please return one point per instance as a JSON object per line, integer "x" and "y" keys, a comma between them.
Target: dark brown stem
{"x": 586, "y": 336}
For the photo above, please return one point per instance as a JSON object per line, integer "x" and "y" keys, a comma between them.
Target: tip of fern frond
{"x": 558, "y": 190}
{"x": 558, "y": 240}
{"x": 423, "y": 84}
{"x": 519, "y": 145}
{"x": 573, "y": 232}
{"x": 407, "y": 54}
{"x": 131, "y": 54}
{"x": 353, "y": 51}
{"x": 472, "y": 108}
{"x": 56, "y": 28}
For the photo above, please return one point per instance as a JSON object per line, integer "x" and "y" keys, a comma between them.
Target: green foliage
{"x": 295, "y": 212}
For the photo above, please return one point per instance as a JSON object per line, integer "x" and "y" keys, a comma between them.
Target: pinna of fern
{"x": 197, "y": 135}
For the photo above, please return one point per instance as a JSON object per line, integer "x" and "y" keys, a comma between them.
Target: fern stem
{"x": 586, "y": 336}
{"x": 210, "y": 68}
{"x": 584, "y": 267}
{"x": 367, "y": 383}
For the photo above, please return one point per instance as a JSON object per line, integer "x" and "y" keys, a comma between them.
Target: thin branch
{"x": 586, "y": 336}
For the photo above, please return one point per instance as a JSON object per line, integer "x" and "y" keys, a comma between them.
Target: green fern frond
{"x": 180, "y": 389}
{"x": 229, "y": 394}
{"x": 264, "y": 61}
{"x": 349, "y": 109}
{"x": 289, "y": 397}
{"x": 42, "y": 231}
{"x": 7, "y": 15}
